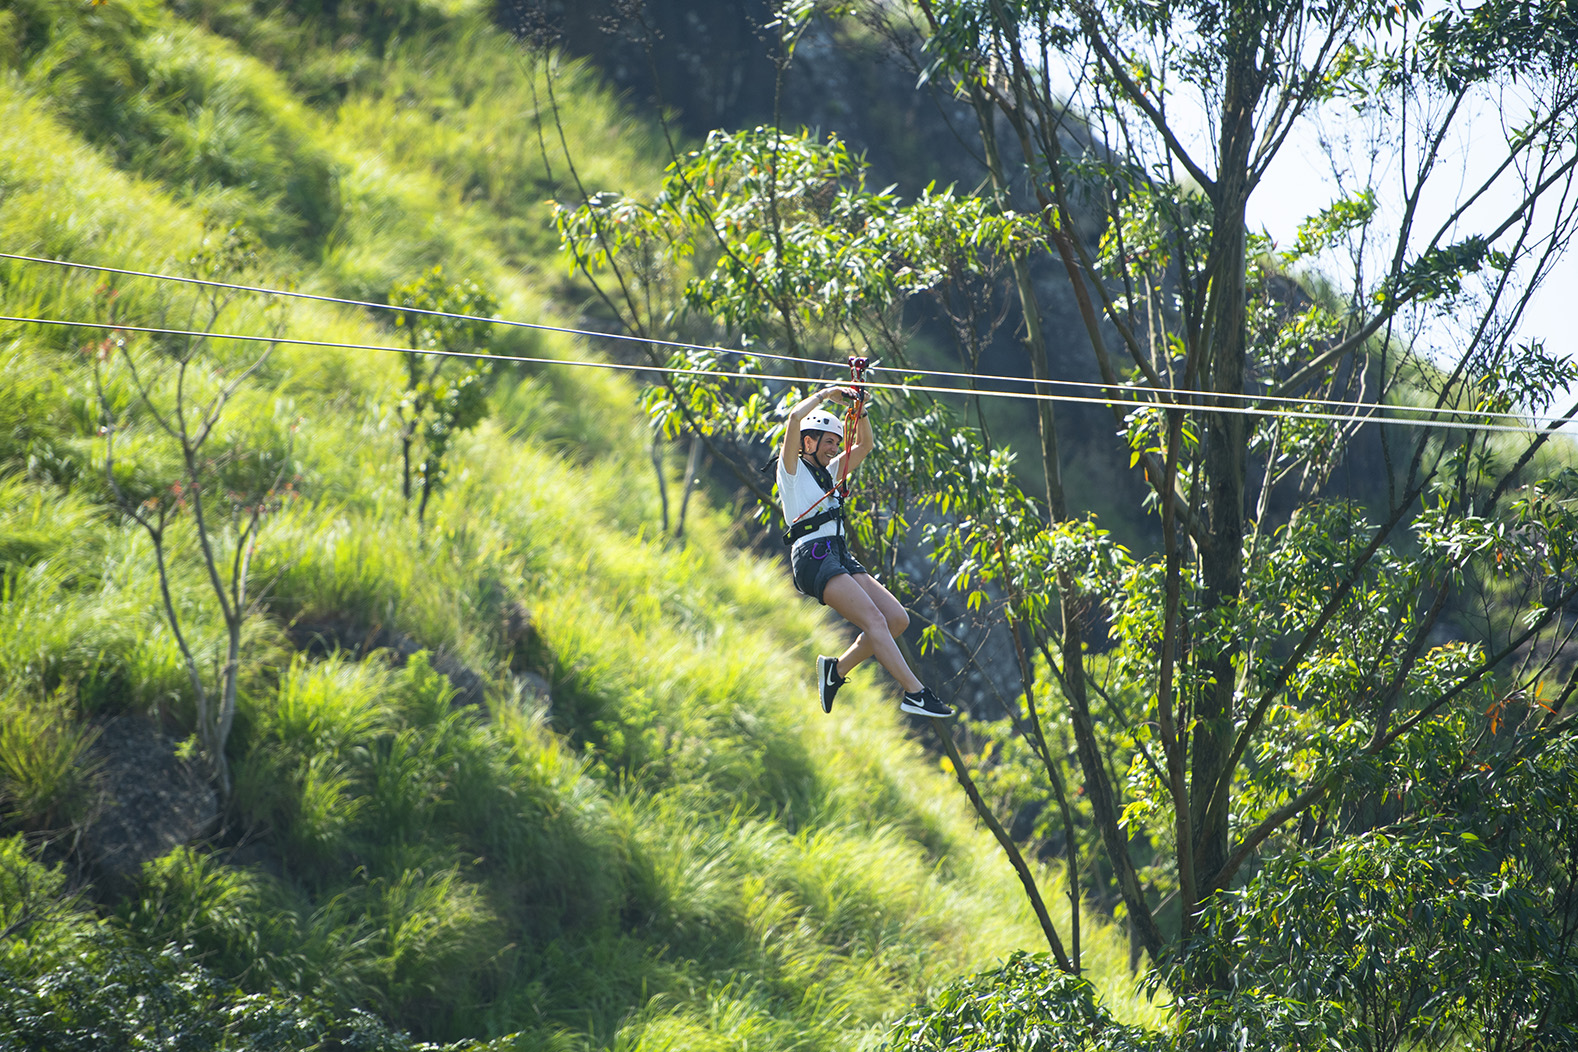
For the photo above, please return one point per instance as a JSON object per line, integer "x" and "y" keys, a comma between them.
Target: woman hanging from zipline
{"x": 812, "y": 456}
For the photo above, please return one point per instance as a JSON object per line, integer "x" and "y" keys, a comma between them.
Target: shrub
{"x": 299, "y": 772}
{"x": 40, "y": 918}
{"x": 1026, "y": 1005}
{"x": 117, "y": 995}
{"x": 189, "y": 898}
{"x": 45, "y": 781}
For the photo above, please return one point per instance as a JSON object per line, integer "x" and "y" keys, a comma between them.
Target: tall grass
{"x": 62, "y": 629}
{"x": 45, "y": 774}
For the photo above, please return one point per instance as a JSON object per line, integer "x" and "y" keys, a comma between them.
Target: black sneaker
{"x": 827, "y": 681}
{"x": 924, "y": 703}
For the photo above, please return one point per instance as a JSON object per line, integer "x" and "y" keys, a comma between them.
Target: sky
{"x": 1299, "y": 183}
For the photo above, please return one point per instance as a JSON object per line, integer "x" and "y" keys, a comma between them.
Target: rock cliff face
{"x": 707, "y": 60}
{"x": 712, "y": 63}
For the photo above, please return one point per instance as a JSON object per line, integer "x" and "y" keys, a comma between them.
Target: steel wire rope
{"x": 1531, "y": 419}
{"x": 738, "y": 374}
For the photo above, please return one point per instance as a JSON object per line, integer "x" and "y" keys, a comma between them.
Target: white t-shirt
{"x": 798, "y": 492}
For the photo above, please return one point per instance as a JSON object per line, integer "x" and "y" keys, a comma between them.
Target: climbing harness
{"x": 807, "y": 523}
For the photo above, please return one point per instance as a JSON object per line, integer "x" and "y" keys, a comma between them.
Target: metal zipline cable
{"x": 738, "y": 374}
{"x": 1524, "y": 422}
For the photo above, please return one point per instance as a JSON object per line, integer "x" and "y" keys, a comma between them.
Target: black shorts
{"x": 816, "y": 561}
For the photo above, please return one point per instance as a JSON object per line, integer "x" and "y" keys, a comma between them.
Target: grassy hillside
{"x": 643, "y": 835}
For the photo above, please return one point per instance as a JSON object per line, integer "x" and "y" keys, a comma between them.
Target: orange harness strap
{"x": 852, "y": 415}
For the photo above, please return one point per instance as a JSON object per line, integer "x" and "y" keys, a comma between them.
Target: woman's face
{"x": 827, "y": 446}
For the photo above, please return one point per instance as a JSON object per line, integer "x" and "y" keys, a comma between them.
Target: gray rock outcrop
{"x": 150, "y": 800}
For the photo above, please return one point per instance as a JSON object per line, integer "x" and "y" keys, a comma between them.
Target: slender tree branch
{"x": 1026, "y": 879}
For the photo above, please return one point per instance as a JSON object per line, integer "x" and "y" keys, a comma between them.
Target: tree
{"x": 441, "y": 320}
{"x": 196, "y": 473}
{"x": 1294, "y": 667}
{"x": 1179, "y": 307}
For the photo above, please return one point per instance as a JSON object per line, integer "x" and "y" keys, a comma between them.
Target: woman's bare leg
{"x": 860, "y": 600}
{"x": 893, "y": 612}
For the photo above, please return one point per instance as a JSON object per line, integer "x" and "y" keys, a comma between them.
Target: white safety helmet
{"x": 822, "y": 420}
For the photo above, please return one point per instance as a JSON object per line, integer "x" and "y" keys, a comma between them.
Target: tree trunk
{"x": 1223, "y": 346}
{"x": 656, "y": 453}
{"x": 692, "y": 467}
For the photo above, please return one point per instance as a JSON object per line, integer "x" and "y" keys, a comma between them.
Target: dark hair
{"x": 771, "y": 463}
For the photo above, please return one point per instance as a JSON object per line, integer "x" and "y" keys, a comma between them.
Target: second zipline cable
{"x": 1153, "y": 403}
{"x": 1529, "y": 421}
